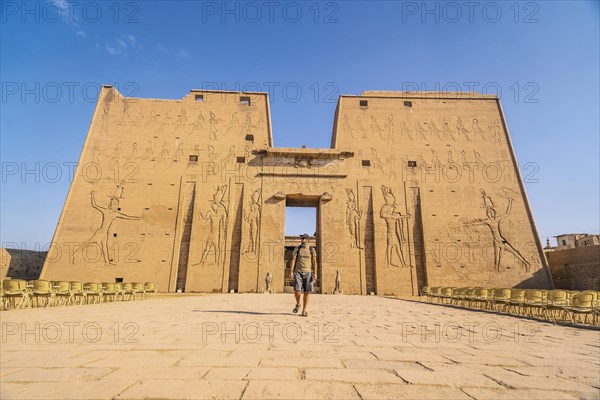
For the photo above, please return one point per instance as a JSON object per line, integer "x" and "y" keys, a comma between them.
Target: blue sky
{"x": 543, "y": 56}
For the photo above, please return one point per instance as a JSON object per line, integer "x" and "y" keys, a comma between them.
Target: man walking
{"x": 304, "y": 259}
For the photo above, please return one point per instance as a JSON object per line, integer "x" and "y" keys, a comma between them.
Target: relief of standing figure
{"x": 394, "y": 230}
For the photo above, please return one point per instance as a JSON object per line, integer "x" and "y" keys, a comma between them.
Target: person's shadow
{"x": 240, "y": 312}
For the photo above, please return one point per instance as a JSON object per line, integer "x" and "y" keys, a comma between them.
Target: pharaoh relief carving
{"x": 233, "y": 124}
{"x": 395, "y": 233}
{"x": 104, "y": 121}
{"x": 360, "y": 129}
{"x": 376, "y": 130}
{"x": 353, "y": 217}
{"x": 230, "y": 156}
{"x": 197, "y": 124}
{"x": 217, "y": 220}
{"x": 492, "y": 222}
{"x": 214, "y": 129}
{"x": 100, "y": 238}
{"x": 252, "y": 217}
{"x": 389, "y": 127}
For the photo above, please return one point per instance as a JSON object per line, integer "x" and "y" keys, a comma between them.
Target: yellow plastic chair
{"x": 534, "y": 301}
{"x": 93, "y": 292}
{"x": 582, "y": 304}
{"x": 470, "y": 294}
{"x": 482, "y": 297}
{"x": 119, "y": 291}
{"x": 128, "y": 290}
{"x": 150, "y": 287}
{"x": 16, "y": 289}
{"x": 517, "y": 298}
{"x": 446, "y": 295}
{"x": 556, "y": 302}
{"x": 42, "y": 289}
{"x": 108, "y": 291}
{"x": 62, "y": 293}
{"x": 435, "y": 293}
{"x": 458, "y": 295}
{"x": 501, "y": 299}
{"x": 77, "y": 292}
{"x": 138, "y": 288}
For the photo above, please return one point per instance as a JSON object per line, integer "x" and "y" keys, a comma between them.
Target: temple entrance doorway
{"x": 301, "y": 216}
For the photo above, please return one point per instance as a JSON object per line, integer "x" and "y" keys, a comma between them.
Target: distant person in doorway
{"x": 304, "y": 272}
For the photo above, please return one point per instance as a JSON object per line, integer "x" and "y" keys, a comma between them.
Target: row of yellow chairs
{"x": 537, "y": 303}
{"x": 18, "y": 293}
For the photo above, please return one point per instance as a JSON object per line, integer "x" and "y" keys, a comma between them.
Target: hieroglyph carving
{"x": 217, "y": 218}
{"x": 252, "y": 217}
{"x": 353, "y": 216}
{"x": 100, "y": 238}
{"x": 395, "y": 235}
{"x": 492, "y": 221}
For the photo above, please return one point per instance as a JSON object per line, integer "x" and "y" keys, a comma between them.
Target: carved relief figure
{"x": 405, "y": 131}
{"x": 233, "y": 124}
{"x": 181, "y": 120}
{"x": 347, "y": 127}
{"x": 433, "y": 130}
{"x": 164, "y": 153}
{"x": 197, "y": 124}
{"x": 148, "y": 154}
{"x": 375, "y": 128}
{"x": 213, "y": 126}
{"x": 434, "y": 158}
{"x": 230, "y": 157}
{"x": 353, "y": 216}
{"x": 104, "y": 121}
{"x": 217, "y": 218}
{"x": 100, "y": 237}
{"x": 139, "y": 117}
{"x": 460, "y": 128}
{"x": 118, "y": 151}
{"x": 477, "y": 130}
{"x": 134, "y": 151}
{"x": 360, "y": 129}
{"x": 419, "y": 130}
{"x": 447, "y": 130}
{"x": 260, "y": 122}
{"x": 179, "y": 152}
{"x": 248, "y": 122}
{"x": 492, "y": 221}
{"x": 118, "y": 193}
{"x": 96, "y": 154}
{"x": 252, "y": 217}
{"x": 394, "y": 229}
{"x": 389, "y": 125}
{"x": 496, "y": 130}
{"x": 391, "y": 163}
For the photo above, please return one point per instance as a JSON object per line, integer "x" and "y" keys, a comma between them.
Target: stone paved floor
{"x": 251, "y": 347}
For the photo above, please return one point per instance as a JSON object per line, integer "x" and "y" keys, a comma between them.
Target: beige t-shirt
{"x": 304, "y": 258}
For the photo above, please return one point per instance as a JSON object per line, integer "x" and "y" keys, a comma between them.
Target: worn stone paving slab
{"x": 249, "y": 346}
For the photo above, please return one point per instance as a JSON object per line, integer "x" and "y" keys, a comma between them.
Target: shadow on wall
{"x": 539, "y": 280}
{"x": 21, "y": 264}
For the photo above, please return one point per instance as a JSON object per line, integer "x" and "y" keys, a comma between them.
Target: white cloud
{"x": 67, "y": 10}
{"x": 81, "y": 34}
{"x": 132, "y": 40}
{"x": 121, "y": 44}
